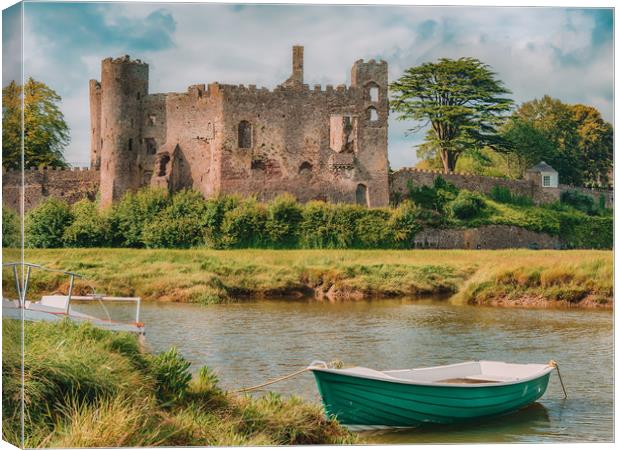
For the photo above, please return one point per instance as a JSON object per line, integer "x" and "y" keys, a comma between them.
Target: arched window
{"x": 305, "y": 168}
{"x": 245, "y": 134}
{"x": 163, "y": 165}
{"x": 361, "y": 195}
{"x": 372, "y": 114}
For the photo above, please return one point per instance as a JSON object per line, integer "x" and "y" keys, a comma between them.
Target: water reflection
{"x": 248, "y": 343}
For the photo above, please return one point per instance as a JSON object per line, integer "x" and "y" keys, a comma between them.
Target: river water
{"x": 248, "y": 343}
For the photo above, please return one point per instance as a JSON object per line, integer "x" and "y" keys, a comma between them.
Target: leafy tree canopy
{"x": 45, "y": 131}
{"x": 574, "y": 139}
{"x": 460, "y": 99}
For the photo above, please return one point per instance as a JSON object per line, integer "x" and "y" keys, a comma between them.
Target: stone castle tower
{"x": 328, "y": 144}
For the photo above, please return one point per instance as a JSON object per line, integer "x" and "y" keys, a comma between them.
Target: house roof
{"x": 542, "y": 167}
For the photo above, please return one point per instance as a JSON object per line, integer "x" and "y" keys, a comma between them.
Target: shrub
{"x": 435, "y": 197}
{"x": 341, "y": 223}
{"x": 171, "y": 373}
{"x": 502, "y": 194}
{"x": 215, "y": 209}
{"x": 313, "y": 226}
{"x": 244, "y": 226}
{"x": 467, "y": 205}
{"x": 134, "y": 212}
{"x": 46, "y": 224}
{"x": 283, "y": 219}
{"x": 90, "y": 227}
{"x": 404, "y": 224}
{"x": 180, "y": 225}
{"x": 372, "y": 229}
{"x": 11, "y": 229}
{"x": 579, "y": 201}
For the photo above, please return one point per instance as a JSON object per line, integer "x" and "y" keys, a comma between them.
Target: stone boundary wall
{"x": 490, "y": 237}
{"x": 483, "y": 184}
{"x": 71, "y": 185}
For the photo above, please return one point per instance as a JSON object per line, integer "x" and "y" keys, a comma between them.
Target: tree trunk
{"x": 448, "y": 159}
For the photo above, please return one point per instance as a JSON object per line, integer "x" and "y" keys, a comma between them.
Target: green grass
{"x": 211, "y": 276}
{"x": 86, "y": 387}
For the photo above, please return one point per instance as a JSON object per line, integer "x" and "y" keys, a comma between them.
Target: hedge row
{"x": 152, "y": 218}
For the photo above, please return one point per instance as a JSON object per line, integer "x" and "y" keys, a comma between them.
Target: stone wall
{"x": 400, "y": 178}
{"x": 485, "y": 237}
{"x": 70, "y": 185}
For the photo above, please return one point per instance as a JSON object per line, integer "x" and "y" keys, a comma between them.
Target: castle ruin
{"x": 328, "y": 144}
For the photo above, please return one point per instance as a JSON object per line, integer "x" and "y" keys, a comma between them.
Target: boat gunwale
{"x": 341, "y": 372}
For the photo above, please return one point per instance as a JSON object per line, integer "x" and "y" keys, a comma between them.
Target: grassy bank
{"x": 576, "y": 277}
{"x": 98, "y": 389}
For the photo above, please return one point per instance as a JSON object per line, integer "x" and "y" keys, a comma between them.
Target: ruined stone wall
{"x": 486, "y": 237}
{"x": 70, "y": 185}
{"x": 400, "y": 178}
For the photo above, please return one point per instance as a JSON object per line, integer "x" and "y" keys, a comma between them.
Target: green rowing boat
{"x": 364, "y": 398}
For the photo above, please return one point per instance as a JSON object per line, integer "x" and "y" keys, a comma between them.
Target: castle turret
{"x": 124, "y": 84}
{"x": 297, "y": 76}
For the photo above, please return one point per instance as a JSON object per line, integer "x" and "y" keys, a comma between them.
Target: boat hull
{"x": 368, "y": 402}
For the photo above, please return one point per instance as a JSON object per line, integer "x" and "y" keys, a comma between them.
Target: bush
{"x": 11, "y": 229}
{"x": 466, "y": 205}
{"x": 579, "y": 201}
{"x": 404, "y": 224}
{"x": 134, "y": 212}
{"x": 372, "y": 229}
{"x": 313, "y": 226}
{"x": 435, "y": 197}
{"x": 90, "y": 227}
{"x": 503, "y": 195}
{"x": 45, "y": 225}
{"x": 215, "y": 210}
{"x": 283, "y": 219}
{"x": 244, "y": 226}
{"x": 180, "y": 225}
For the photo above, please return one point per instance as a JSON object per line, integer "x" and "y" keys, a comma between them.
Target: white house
{"x": 543, "y": 175}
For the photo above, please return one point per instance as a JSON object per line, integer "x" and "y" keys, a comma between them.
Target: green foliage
{"x": 136, "y": 210}
{"x": 11, "y": 229}
{"x": 573, "y": 139}
{"x": 587, "y": 231}
{"x": 244, "y": 226}
{"x": 503, "y": 195}
{"x": 461, "y": 99}
{"x": 90, "y": 227}
{"x": 215, "y": 211}
{"x": 171, "y": 373}
{"x": 46, "y": 224}
{"x": 180, "y": 225}
{"x": 404, "y": 224}
{"x": 466, "y": 205}
{"x": 44, "y": 128}
{"x": 579, "y": 201}
{"x": 284, "y": 215}
{"x": 434, "y": 197}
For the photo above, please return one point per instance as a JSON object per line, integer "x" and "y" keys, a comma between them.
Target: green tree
{"x": 461, "y": 100}
{"x": 45, "y": 131}
{"x": 574, "y": 139}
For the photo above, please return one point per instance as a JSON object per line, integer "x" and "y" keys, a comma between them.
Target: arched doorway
{"x": 361, "y": 195}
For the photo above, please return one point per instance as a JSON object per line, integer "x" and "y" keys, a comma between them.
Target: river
{"x": 248, "y": 343}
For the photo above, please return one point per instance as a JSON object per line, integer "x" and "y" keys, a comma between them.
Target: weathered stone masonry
{"x": 314, "y": 143}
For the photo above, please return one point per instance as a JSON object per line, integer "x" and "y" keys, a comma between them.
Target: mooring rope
{"x": 554, "y": 364}
{"x": 334, "y": 364}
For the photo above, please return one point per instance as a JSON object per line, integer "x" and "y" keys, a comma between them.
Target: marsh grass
{"x": 86, "y": 387}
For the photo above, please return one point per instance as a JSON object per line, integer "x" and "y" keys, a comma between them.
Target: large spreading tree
{"x": 460, "y": 99}
{"x": 574, "y": 139}
{"x": 45, "y": 132}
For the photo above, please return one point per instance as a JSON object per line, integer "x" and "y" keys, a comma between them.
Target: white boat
{"x": 58, "y": 307}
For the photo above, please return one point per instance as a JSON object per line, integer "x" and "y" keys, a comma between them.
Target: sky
{"x": 563, "y": 52}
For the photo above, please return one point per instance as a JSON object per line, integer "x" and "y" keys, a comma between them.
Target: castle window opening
{"x": 163, "y": 165}
{"x": 361, "y": 195}
{"x": 245, "y": 134}
{"x": 373, "y": 92}
{"x": 151, "y": 146}
{"x": 138, "y": 95}
{"x": 373, "y": 116}
{"x": 130, "y": 144}
{"x": 152, "y": 120}
{"x": 305, "y": 167}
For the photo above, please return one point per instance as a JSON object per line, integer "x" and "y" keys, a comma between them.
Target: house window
{"x": 546, "y": 180}
{"x": 245, "y": 134}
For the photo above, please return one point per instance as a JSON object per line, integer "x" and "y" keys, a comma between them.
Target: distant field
{"x": 504, "y": 277}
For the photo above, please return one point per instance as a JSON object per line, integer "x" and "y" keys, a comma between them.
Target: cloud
{"x": 566, "y": 53}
